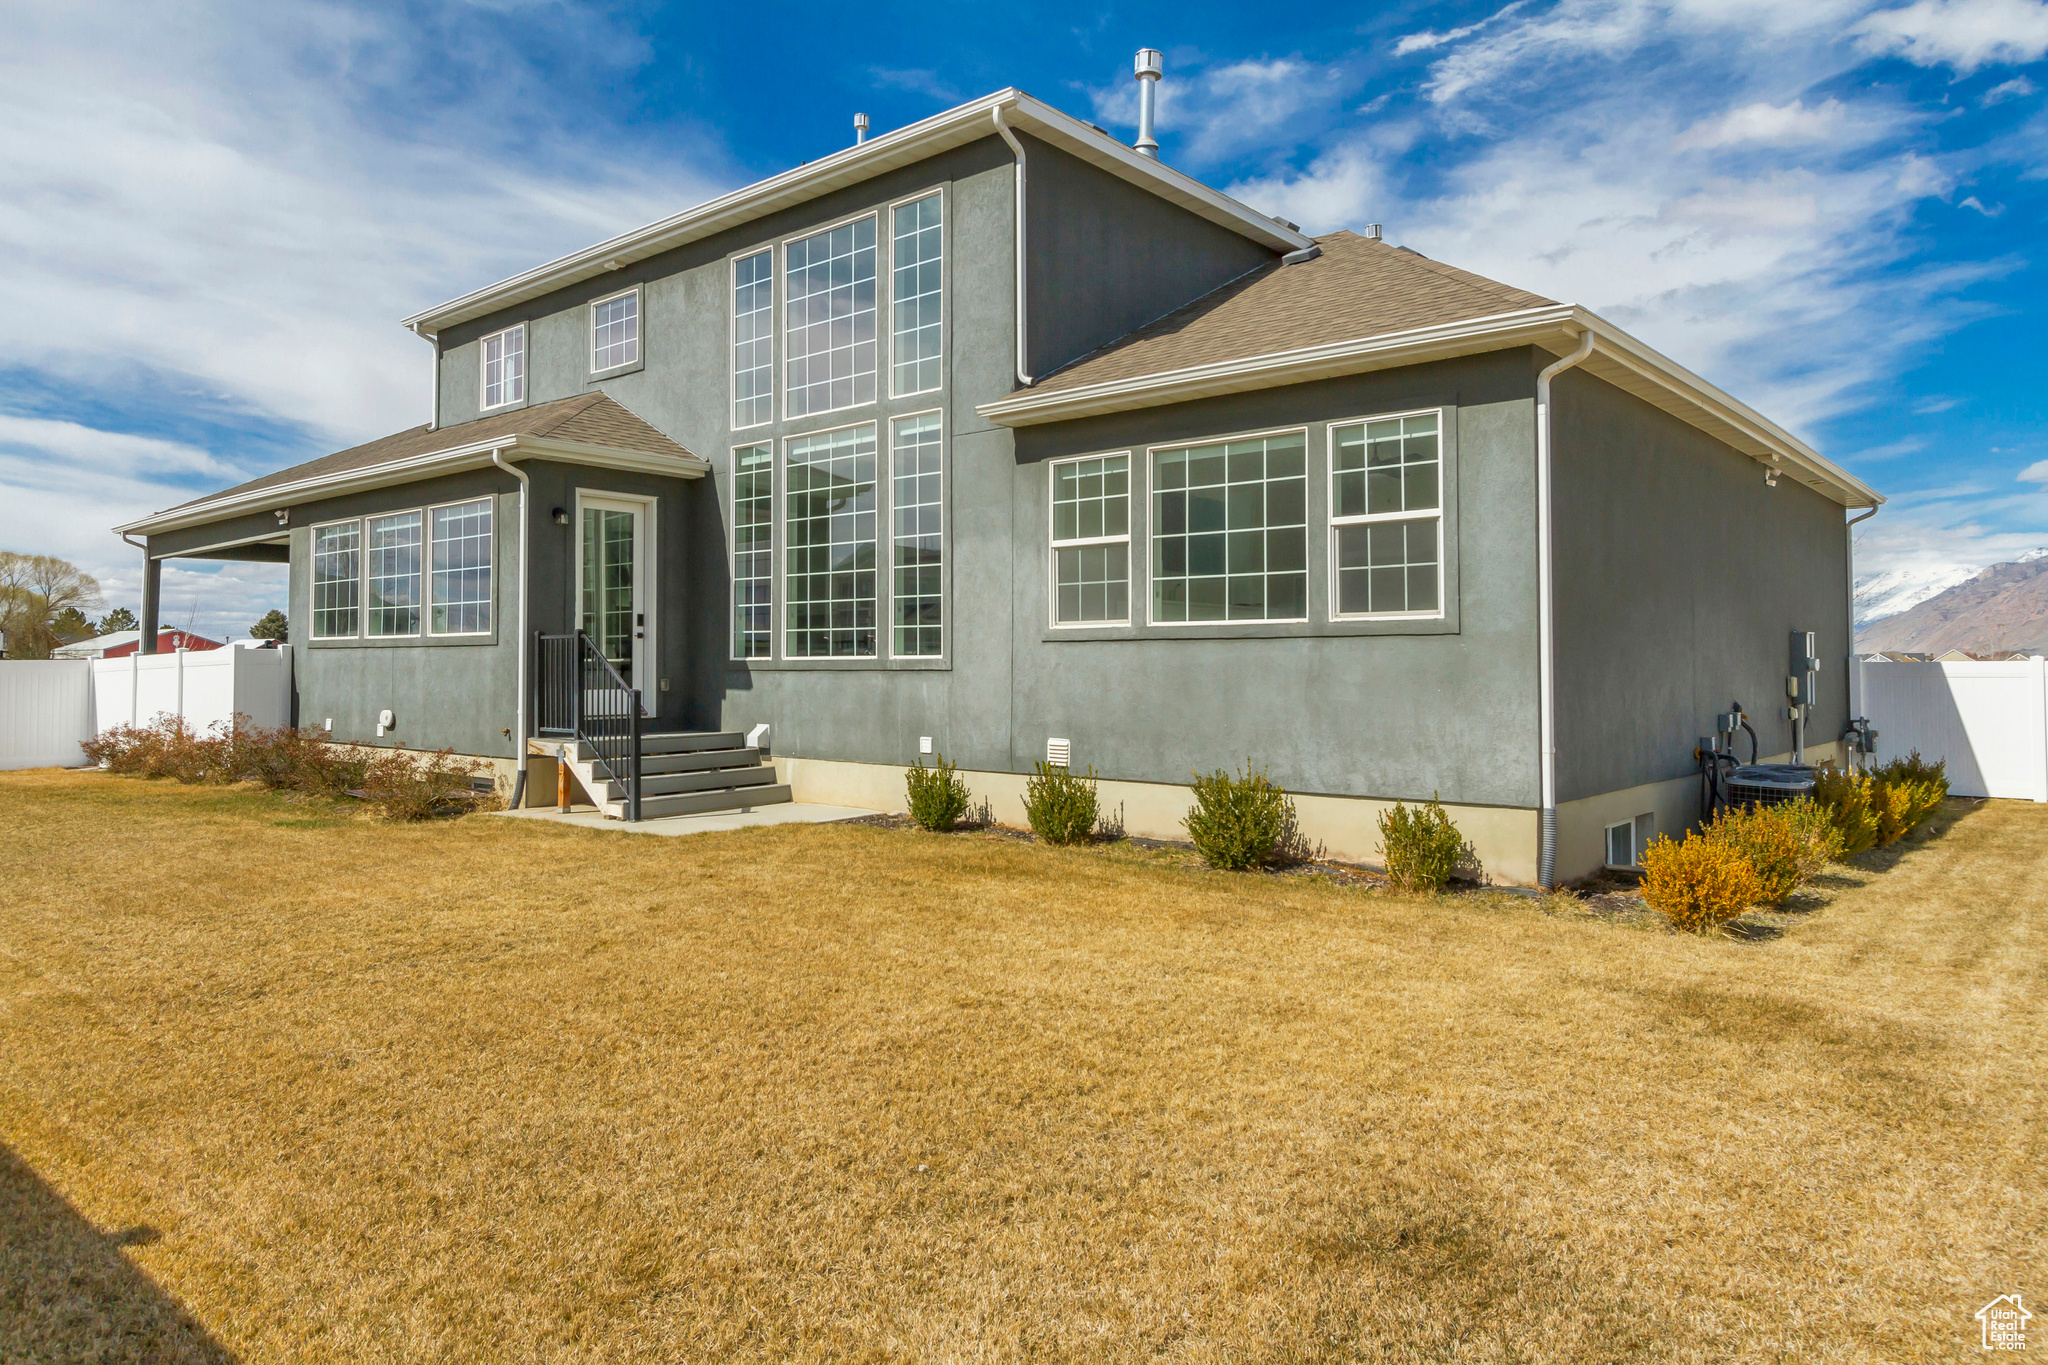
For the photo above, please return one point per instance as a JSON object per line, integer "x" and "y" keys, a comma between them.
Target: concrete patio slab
{"x": 782, "y": 813}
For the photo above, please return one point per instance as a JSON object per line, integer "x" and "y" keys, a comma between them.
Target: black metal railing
{"x": 580, "y": 693}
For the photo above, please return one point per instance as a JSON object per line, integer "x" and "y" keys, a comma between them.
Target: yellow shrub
{"x": 1785, "y": 844}
{"x": 1846, "y": 798}
{"x": 1700, "y": 884}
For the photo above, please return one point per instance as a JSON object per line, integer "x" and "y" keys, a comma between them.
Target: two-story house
{"x": 994, "y": 435}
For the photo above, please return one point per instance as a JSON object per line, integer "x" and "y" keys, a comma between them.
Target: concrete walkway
{"x": 782, "y": 813}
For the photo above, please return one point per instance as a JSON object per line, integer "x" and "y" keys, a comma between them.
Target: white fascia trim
{"x": 475, "y": 455}
{"x": 1556, "y": 328}
{"x": 863, "y": 161}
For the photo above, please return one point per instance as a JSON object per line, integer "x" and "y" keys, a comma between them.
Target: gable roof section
{"x": 1363, "y": 305}
{"x": 955, "y": 127}
{"x": 590, "y": 428}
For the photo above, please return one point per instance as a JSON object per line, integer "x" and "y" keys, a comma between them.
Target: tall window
{"x": 1230, "y": 531}
{"x": 462, "y": 568}
{"x": 1386, "y": 515}
{"x": 504, "y": 362}
{"x": 337, "y": 582}
{"x": 394, "y": 575}
{"x": 829, "y": 334}
{"x": 753, "y": 564}
{"x": 615, "y": 331}
{"x": 916, "y": 295}
{"x": 829, "y": 538}
{"x": 753, "y": 339}
{"x": 915, "y": 449}
{"x": 1091, "y": 540}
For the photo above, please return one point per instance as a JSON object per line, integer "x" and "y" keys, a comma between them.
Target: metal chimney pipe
{"x": 1148, "y": 67}
{"x": 860, "y": 129}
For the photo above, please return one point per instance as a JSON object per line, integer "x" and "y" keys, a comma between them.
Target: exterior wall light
{"x": 561, "y": 517}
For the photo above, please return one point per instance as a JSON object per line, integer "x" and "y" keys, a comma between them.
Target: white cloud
{"x": 1776, "y": 125}
{"x": 1963, "y": 34}
{"x": 2018, "y": 88}
{"x": 1428, "y": 39}
{"x": 88, "y": 448}
{"x": 2036, "y": 472}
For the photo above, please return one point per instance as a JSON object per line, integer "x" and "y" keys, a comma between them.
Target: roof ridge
{"x": 1445, "y": 268}
{"x": 575, "y": 405}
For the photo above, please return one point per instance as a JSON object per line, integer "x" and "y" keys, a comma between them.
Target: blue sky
{"x": 213, "y": 214}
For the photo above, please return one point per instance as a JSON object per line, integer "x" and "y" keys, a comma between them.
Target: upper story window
{"x": 753, "y": 565}
{"x": 615, "y": 331}
{"x": 917, "y": 296}
{"x": 829, "y": 331}
{"x": 1091, "y": 541}
{"x": 1386, "y": 516}
{"x": 829, "y": 539}
{"x": 1230, "y": 531}
{"x": 753, "y": 339}
{"x": 337, "y": 580}
{"x": 504, "y": 367}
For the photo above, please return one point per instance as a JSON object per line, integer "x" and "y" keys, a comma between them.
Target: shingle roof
{"x": 1357, "y": 288}
{"x": 590, "y": 418}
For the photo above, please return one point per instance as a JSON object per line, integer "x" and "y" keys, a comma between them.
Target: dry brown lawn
{"x": 278, "y": 1083}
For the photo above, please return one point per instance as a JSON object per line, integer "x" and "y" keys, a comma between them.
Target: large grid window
{"x": 829, "y": 540}
{"x": 1230, "y": 531}
{"x": 915, "y": 450}
{"x": 393, "y": 597}
{"x": 916, "y": 295}
{"x": 753, "y": 339}
{"x": 504, "y": 363}
{"x": 1387, "y": 559}
{"x": 462, "y": 569}
{"x": 829, "y": 333}
{"x": 753, "y": 559}
{"x": 337, "y": 580}
{"x": 615, "y": 331}
{"x": 1091, "y": 541}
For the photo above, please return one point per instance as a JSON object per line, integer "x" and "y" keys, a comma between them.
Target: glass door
{"x": 611, "y": 573}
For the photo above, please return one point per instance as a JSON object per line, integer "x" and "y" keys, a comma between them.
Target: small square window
{"x": 615, "y": 331}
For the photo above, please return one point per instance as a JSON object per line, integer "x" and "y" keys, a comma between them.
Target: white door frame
{"x": 644, "y": 560}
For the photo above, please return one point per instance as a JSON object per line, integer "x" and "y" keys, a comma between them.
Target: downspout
{"x": 519, "y": 710}
{"x": 1546, "y": 644}
{"x": 435, "y": 341}
{"x": 1017, "y": 150}
{"x": 1851, "y": 671}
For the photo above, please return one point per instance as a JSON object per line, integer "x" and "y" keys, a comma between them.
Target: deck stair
{"x": 682, "y": 773}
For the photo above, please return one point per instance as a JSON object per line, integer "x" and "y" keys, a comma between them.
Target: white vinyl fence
{"x": 45, "y": 712}
{"x": 1989, "y": 721}
{"x": 205, "y": 686}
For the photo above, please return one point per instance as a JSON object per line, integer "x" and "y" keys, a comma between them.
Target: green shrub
{"x": 1785, "y": 844}
{"x": 407, "y": 786}
{"x": 1420, "y": 847}
{"x": 1700, "y": 884}
{"x": 1844, "y": 797}
{"x": 1060, "y": 804}
{"x": 1239, "y": 821}
{"x": 937, "y": 795}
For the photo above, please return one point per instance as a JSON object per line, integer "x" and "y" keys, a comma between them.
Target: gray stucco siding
{"x": 1680, "y": 578}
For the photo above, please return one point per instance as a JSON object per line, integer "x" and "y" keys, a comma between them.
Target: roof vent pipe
{"x": 1148, "y": 67}
{"x": 860, "y": 129}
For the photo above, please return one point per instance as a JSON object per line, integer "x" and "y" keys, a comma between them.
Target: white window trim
{"x": 732, "y": 335}
{"x": 886, "y": 507}
{"x": 1367, "y": 518}
{"x": 774, "y": 547}
{"x": 425, "y": 511}
{"x": 883, "y": 301}
{"x": 646, "y": 558}
{"x": 483, "y": 351}
{"x": 1264, "y": 434}
{"x": 1054, "y": 546}
{"x": 945, "y": 289}
{"x": 639, "y": 330}
{"x": 312, "y": 555}
{"x": 778, "y": 650}
{"x": 427, "y": 570}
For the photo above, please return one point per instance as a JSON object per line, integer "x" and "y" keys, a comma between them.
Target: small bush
{"x": 1700, "y": 884}
{"x": 1844, "y": 797}
{"x": 1904, "y": 793}
{"x": 1239, "y": 821}
{"x": 1785, "y": 844}
{"x": 411, "y": 787}
{"x": 1420, "y": 847}
{"x": 937, "y": 795}
{"x": 1060, "y": 804}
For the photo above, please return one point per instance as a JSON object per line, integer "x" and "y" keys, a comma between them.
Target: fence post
{"x": 180, "y": 652}
{"x": 135, "y": 686}
{"x": 2041, "y": 696}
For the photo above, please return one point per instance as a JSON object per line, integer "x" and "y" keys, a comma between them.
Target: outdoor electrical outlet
{"x": 924, "y": 744}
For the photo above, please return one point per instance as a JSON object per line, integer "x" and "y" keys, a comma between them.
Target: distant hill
{"x": 2003, "y": 607}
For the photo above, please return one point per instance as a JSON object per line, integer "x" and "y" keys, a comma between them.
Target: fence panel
{"x": 45, "y": 712}
{"x": 1989, "y": 721}
{"x": 206, "y": 687}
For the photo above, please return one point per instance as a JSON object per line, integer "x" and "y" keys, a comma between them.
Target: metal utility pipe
{"x": 1147, "y": 66}
{"x": 1546, "y": 651}
{"x": 860, "y": 129}
{"x": 1017, "y": 151}
{"x": 519, "y": 708}
{"x": 1851, "y": 670}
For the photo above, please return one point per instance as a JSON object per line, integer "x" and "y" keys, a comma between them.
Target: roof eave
{"x": 863, "y": 161}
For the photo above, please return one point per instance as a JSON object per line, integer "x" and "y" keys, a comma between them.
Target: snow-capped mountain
{"x": 1896, "y": 590}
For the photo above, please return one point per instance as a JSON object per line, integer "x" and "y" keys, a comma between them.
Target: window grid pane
{"x": 918, "y": 540}
{"x": 336, "y": 580}
{"x": 1091, "y": 501}
{"x": 829, "y": 544}
{"x": 753, "y": 339}
{"x": 917, "y": 296}
{"x": 753, "y": 565}
{"x": 394, "y": 575}
{"x": 1387, "y": 566}
{"x": 1386, "y": 560}
{"x": 615, "y": 332}
{"x": 609, "y": 557}
{"x": 462, "y": 569}
{"x": 1230, "y": 531}
{"x": 829, "y": 331}
{"x": 1385, "y": 467}
{"x": 505, "y": 367}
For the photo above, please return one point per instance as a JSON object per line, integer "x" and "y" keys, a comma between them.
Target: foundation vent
{"x": 1059, "y": 753}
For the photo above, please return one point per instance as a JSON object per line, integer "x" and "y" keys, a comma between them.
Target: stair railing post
{"x": 576, "y": 689}
{"x": 633, "y": 707}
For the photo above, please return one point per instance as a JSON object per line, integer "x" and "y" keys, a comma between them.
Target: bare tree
{"x": 34, "y": 591}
